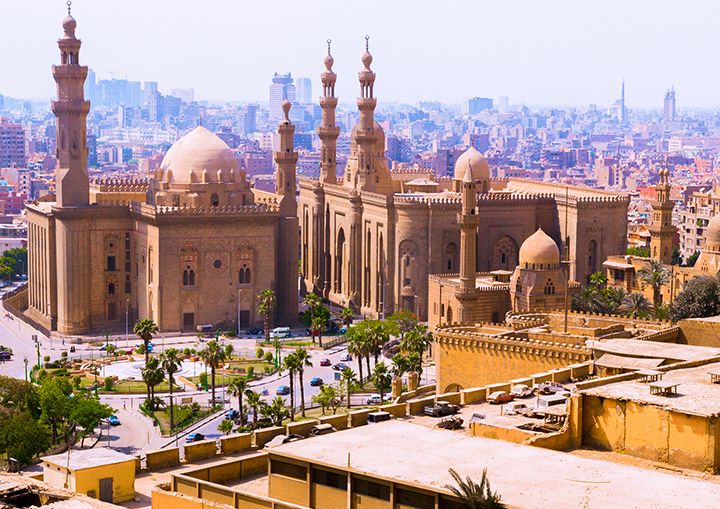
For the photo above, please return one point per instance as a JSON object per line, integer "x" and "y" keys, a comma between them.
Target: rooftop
{"x": 521, "y": 474}
{"x": 88, "y": 458}
{"x": 696, "y": 394}
{"x": 654, "y": 349}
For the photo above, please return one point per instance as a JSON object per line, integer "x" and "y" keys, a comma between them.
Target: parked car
{"x": 500, "y": 397}
{"x": 280, "y": 332}
{"x": 517, "y": 408}
{"x": 254, "y": 332}
{"x": 321, "y": 429}
{"x": 346, "y": 357}
{"x": 232, "y": 414}
{"x": 441, "y": 409}
{"x": 316, "y": 381}
{"x": 325, "y": 362}
{"x": 549, "y": 387}
{"x": 283, "y": 390}
{"x": 206, "y": 330}
{"x": 521, "y": 391}
{"x": 113, "y": 420}
{"x": 283, "y": 439}
{"x": 339, "y": 366}
{"x": 194, "y": 437}
{"x": 375, "y": 399}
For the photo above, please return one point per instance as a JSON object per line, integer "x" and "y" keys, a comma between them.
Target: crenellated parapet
{"x": 255, "y": 209}
{"x": 119, "y": 185}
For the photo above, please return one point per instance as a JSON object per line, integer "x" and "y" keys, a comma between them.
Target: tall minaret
{"x": 328, "y": 131}
{"x": 286, "y": 286}
{"x": 468, "y": 220}
{"x": 71, "y": 109}
{"x": 622, "y": 113}
{"x": 365, "y": 134}
{"x": 661, "y": 229}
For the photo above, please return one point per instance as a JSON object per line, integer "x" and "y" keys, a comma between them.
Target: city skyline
{"x": 231, "y": 63}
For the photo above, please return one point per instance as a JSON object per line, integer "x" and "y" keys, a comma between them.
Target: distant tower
{"x": 328, "y": 131}
{"x": 282, "y": 89}
{"x": 468, "y": 219}
{"x": 662, "y": 230}
{"x": 669, "y": 105}
{"x": 286, "y": 287}
{"x": 622, "y": 111}
{"x": 71, "y": 109}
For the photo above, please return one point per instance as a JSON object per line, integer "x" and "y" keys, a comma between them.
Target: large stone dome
{"x": 539, "y": 252}
{"x": 712, "y": 234}
{"x": 197, "y": 152}
{"x": 480, "y": 169}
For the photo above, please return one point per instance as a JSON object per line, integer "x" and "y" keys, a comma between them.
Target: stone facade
{"x": 194, "y": 245}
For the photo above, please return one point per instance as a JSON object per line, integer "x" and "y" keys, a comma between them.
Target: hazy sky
{"x": 535, "y": 52}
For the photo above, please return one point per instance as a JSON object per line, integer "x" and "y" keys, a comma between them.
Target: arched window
{"x": 244, "y": 275}
{"x": 518, "y": 287}
{"x": 549, "y": 288}
{"x": 111, "y": 288}
{"x": 214, "y": 200}
{"x": 188, "y": 277}
{"x": 450, "y": 315}
{"x": 442, "y": 310}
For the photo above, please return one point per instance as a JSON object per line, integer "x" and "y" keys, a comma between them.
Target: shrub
{"x": 77, "y": 381}
{"x": 259, "y": 353}
{"x": 46, "y": 359}
{"x": 203, "y": 380}
{"x": 251, "y": 372}
{"x": 268, "y": 370}
{"x": 64, "y": 355}
{"x": 268, "y": 357}
{"x": 109, "y": 383}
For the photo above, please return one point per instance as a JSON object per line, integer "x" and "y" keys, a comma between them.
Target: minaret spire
{"x": 365, "y": 135}
{"x": 661, "y": 229}
{"x": 71, "y": 109}
{"x": 468, "y": 219}
{"x": 328, "y": 131}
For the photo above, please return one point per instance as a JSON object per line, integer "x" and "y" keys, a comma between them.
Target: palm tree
{"x": 348, "y": 377}
{"x": 170, "y": 363}
{"x": 225, "y": 426}
{"x": 414, "y": 363}
{"x": 346, "y": 315}
{"x": 318, "y": 326}
{"x": 585, "y": 300}
{"x": 292, "y": 364}
{"x": 401, "y": 323}
{"x": 145, "y": 329}
{"x": 473, "y": 495}
{"x": 213, "y": 355}
{"x": 381, "y": 378}
{"x": 379, "y": 335}
{"x": 237, "y": 387}
{"x": 636, "y": 305}
{"x": 610, "y": 299}
{"x": 254, "y": 402}
{"x": 276, "y": 410}
{"x": 152, "y": 376}
{"x": 266, "y": 306}
{"x": 357, "y": 346}
{"x": 654, "y": 275}
{"x": 303, "y": 361}
{"x": 417, "y": 339}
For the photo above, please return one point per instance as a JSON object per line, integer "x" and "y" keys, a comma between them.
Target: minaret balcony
{"x": 328, "y": 132}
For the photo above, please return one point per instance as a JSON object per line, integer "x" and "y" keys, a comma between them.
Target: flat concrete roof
{"x": 696, "y": 395}
{"x": 88, "y": 458}
{"x": 525, "y": 476}
{"x": 653, "y": 349}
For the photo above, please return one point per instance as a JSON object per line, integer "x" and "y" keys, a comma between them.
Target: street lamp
{"x": 26, "y": 363}
{"x": 127, "y": 338}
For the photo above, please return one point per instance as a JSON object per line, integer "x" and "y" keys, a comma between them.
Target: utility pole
{"x": 127, "y": 339}
{"x": 566, "y": 261}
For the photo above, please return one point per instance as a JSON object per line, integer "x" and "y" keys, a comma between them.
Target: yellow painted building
{"x": 101, "y": 473}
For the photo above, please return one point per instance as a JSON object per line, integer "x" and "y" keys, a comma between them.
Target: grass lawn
{"x": 127, "y": 386}
{"x": 184, "y": 416}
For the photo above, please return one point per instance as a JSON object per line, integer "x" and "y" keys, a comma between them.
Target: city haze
{"x": 536, "y": 53}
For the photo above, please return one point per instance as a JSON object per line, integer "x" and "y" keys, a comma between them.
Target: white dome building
{"x": 538, "y": 282}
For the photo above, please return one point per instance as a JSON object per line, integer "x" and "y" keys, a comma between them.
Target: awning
{"x": 609, "y": 360}
{"x": 617, "y": 265}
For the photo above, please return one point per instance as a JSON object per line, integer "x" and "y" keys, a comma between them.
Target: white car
{"x": 517, "y": 408}
{"x": 280, "y": 332}
{"x": 521, "y": 391}
{"x": 346, "y": 357}
{"x": 375, "y": 399}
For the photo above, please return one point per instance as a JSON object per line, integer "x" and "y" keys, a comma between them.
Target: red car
{"x": 500, "y": 397}
{"x": 325, "y": 362}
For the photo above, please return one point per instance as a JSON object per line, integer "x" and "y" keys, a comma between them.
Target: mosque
{"x": 194, "y": 245}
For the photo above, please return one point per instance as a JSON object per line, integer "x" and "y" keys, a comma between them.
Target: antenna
{"x": 567, "y": 261}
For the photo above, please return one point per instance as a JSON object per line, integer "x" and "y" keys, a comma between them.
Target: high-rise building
{"x": 186, "y": 95}
{"x": 282, "y": 88}
{"x": 622, "y": 111}
{"x": 149, "y": 88}
{"x": 669, "y": 105}
{"x": 503, "y": 104}
{"x": 2, "y": 102}
{"x": 478, "y": 104}
{"x": 91, "y": 87}
{"x": 12, "y": 144}
{"x": 249, "y": 119}
{"x": 304, "y": 90}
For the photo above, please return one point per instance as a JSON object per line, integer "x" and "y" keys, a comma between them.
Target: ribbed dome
{"x": 712, "y": 234}
{"x": 477, "y": 162}
{"x": 539, "y": 251}
{"x": 197, "y": 151}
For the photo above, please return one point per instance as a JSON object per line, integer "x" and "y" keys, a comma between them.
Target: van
{"x": 517, "y": 408}
{"x": 206, "y": 330}
{"x": 280, "y": 332}
{"x": 545, "y": 402}
{"x": 379, "y": 416}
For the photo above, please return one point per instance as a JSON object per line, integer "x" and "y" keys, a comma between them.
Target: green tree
{"x": 347, "y": 315}
{"x": 225, "y": 426}
{"x": 378, "y": 337}
{"x": 237, "y": 388}
{"x": 22, "y": 436}
{"x": 255, "y": 402}
{"x": 276, "y": 410}
{"x": 152, "y": 375}
{"x": 229, "y": 351}
{"x": 690, "y": 262}
{"x": 109, "y": 383}
{"x": 87, "y": 413}
{"x": 55, "y": 402}
{"x": 418, "y": 339}
{"x": 203, "y": 380}
{"x": 699, "y": 298}
{"x": 357, "y": 345}
{"x": 19, "y": 395}
{"x": 303, "y": 361}
{"x": 349, "y": 381}
{"x": 145, "y": 329}
{"x": 414, "y": 363}
{"x": 16, "y": 259}
{"x": 266, "y": 307}
{"x": 170, "y": 363}
{"x": 318, "y": 327}
{"x": 474, "y": 495}
{"x": 213, "y": 355}
{"x": 636, "y": 305}
{"x": 654, "y": 275}
{"x": 641, "y": 251}
{"x": 401, "y": 322}
{"x": 381, "y": 379}
{"x": 292, "y": 365}
{"x": 400, "y": 365}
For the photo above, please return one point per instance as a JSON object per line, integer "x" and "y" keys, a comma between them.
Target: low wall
{"x": 505, "y": 387}
{"x": 300, "y": 428}
{"x": 359, "y": 417}
{"x": 235, "y": 443}
{"x": 396, "y": 410}
{"x": 200, "y": 450}
{"x": 338, "y": 421}
{"x": 542, "y": 377}
{"x": 416, "y": 406}
{"x": 561, "y": 375}
{"x": 264, "y": 435}
{"x": 450, "y": 397}
{"x": 474, "y": 395}
{"x": 581, "y": 370}
{"x": 162, "y": 458}
{"x": 517, "y": 436}
{"x": 559, "y": 441}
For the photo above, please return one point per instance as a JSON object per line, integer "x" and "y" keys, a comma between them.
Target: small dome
{"x": 328, "y": 61}
{"x": 712, "y": 234}
{"x": 367, "y": 60}
{"x": 286, "y": 105}
{"x": 69, "y": 25}
{"x": 198, "y": 152}
{"x": 539, "y": 251}
{"x": 476, "y": 161}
